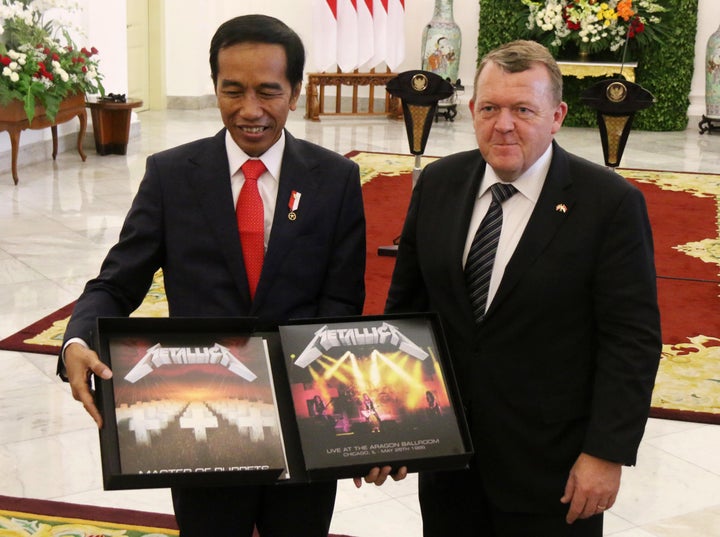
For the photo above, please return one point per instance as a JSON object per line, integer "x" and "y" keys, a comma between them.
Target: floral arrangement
{"x": 593, "y": 25}
{"x": 39, "y": 62}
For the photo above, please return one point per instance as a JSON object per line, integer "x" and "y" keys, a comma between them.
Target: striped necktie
{"x": 251, "y": 222}
{"x": 479, "y": 264}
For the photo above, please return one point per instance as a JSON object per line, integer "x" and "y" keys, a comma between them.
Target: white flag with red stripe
{"x": 395, "y": 45}
{"x": 325, "y": 33}
{"x": 354, "y": 33}
{"x": 379, "y": 32}
{"x": 366, "y": 35}
{"x": 347, "y": 35}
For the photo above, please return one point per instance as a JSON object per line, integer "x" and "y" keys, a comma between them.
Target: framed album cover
{"x": 208, "y": 401}
{"x": 191, "y": 402}
{"x": 374, "y": 391}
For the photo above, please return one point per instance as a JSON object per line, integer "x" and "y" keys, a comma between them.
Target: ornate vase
{"x": 441, "y": 42}
{"x": 712, "y": 75}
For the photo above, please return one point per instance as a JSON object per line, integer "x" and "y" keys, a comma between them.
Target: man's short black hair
{"x": 260, "y": 29}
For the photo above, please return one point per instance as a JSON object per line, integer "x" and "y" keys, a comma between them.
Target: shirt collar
{"x": 529, "y": 184}
{"x": 272, "y": 158}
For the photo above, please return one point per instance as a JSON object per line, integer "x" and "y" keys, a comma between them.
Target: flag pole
{"x": 416, "y": 169}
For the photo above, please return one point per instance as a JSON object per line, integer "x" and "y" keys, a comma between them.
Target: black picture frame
{"x": 388, "y": 390}
{"x": 224, "y": 401}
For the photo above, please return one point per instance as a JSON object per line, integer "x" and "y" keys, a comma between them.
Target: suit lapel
{"x": 447, "y": 201}
{"x": 295, "y": 175}
{"x": 544, "y": 222}
{"x": 210, "y": 179}
{"x": 466, "y": 191}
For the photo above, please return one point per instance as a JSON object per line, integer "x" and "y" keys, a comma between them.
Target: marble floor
{"x": 58, "y": 222}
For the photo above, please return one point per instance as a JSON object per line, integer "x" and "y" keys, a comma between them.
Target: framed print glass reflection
{"x": 188, "y": 405}
{"x": 373, "y": 391}
{"x": 221, "y": 401}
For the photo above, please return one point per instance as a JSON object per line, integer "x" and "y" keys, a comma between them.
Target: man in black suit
{"x": 183, "y": 220}
{"x": 556, "y": 366}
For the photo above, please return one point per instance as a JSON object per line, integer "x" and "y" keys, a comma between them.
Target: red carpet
{"x": 688, "y": 283}
{"x": 386, "y": 200}
{"x": 685, "y": 217}
{"x": 684, "y": 214}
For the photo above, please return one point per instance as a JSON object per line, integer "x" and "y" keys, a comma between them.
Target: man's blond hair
{"x": 520, "y": 55}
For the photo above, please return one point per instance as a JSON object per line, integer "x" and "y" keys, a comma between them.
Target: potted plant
{"x": 593, "y": 26}
{"x": 40, "y": 65}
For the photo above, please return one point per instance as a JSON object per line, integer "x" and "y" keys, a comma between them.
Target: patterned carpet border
{"x": 32, "y": 517}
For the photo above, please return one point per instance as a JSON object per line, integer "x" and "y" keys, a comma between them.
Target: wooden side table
{"x": 315, "y": 97}
{"x": 111, "y": 124}
{"x": 14, "y": 121}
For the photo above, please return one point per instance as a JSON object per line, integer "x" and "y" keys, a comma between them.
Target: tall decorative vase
{"x": 441, "y": 42}
{"x": 712, "y": 75}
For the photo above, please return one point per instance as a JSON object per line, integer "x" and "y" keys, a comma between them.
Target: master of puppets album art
{"x": 192, "y": 404}
{"x": 369, "y": 390}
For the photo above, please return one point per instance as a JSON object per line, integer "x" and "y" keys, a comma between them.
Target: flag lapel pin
{"x": 293, "y": 204}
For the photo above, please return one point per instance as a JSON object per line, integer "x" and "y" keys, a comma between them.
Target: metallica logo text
{"x": 158, "y": 356}
{"x": 385, "y": 334}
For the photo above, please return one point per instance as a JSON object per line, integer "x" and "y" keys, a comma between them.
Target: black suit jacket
{"x": 565, "y": 359}
{"x": 183, "y": 221}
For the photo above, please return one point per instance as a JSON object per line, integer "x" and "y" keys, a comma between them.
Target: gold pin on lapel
{"x": 561, "y": 208}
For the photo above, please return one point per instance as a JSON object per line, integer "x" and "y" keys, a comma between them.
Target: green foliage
{"x": 495, "y": 25}
{"x": 665, "y": 69}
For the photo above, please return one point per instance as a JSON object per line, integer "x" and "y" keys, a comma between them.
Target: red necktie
{"x": 251, "y": 222}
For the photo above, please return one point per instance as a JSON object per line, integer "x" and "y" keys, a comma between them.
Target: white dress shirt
{"x": 268, "y": 182}
{"x": 516, "y": 214}
{"x": 267, "y": 185}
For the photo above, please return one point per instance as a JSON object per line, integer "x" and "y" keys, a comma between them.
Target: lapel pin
{"x": 561, "y": 208}
{"x": 293, "y": 204}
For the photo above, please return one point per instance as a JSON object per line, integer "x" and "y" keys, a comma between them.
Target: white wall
{"x": 191, "y": 23}
{"x": 105, "y": 24}
{"x": 189, "y": 31}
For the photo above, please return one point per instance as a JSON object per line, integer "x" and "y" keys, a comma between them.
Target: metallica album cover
{"x": 222, "y": 401}
{"x": 371, "y": 391}
{"x": 187, "y": 405}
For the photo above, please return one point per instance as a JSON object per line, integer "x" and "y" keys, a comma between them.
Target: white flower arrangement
{"x": 592, "y": 25}
{"x": 38, "y": 66}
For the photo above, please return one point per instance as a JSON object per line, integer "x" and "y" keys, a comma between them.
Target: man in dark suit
{"x": 183, "y": 220}
{"x": 556, "y": 366}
